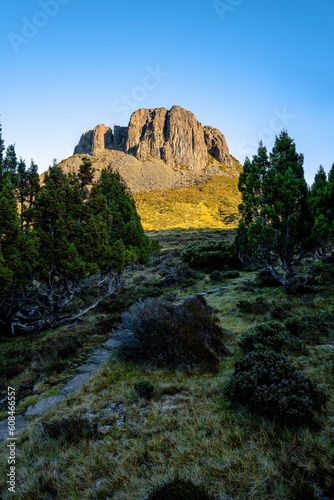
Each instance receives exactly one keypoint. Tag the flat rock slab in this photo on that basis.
(99, 356)
(75, 382)
(112, 344)
(87, 368)
(20, 424)
(43, 406)
(325, 346)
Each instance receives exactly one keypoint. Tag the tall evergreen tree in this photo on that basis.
(274, 228)
(10, 162)
(10, 233)
(320, 209)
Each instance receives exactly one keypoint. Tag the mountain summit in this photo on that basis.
(174, 136)
(180, 172)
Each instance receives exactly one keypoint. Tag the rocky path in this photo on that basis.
(84, 372)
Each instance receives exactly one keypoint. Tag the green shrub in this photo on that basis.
(230, 274)
(164, 335)
(265, 279)
(280, 311)
(181, 274)
(155, 246)
(215, 276)
(179, 489)
(211, 255)
(311, 328)
(269, 385)
(144, 389)
(270, 335)
(257, 306)
(70, 429)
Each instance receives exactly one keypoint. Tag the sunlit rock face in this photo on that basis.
(174, 136)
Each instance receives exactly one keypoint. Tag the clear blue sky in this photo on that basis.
(248, 67)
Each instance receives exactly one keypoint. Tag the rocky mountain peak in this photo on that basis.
(174, 136)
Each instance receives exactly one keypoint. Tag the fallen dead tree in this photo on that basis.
(49, 304)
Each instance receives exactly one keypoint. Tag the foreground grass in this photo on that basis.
(188, 429)
(195, 436)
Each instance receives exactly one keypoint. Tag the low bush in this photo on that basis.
(164, 335)
(155, 246)
(257, 306)
(269, 385)
(230, 274)
(179, 489)
(270, 335)
(265, 279)
(144, 389)
(311, 328)
(181, 275)
(280, 311)
(211, 255)
(70, 429)
(215, 276)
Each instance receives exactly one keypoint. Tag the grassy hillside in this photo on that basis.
(124, 447)
(213, 204)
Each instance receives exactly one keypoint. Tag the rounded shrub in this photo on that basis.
(179, 489)
(215, 276)
(311, 328)
(211, 255)
(70, 429)
(144, 389)
(269, 385)
(161, 334)
(258, 306)
(270, 335)
(230, 274)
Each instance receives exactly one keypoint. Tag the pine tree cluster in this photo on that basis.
(282, 220)
(57, 234)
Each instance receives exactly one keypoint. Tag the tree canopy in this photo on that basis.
(67, 234)
(275, 225)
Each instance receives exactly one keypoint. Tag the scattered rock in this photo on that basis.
(112, 344)
(325, 346)
(143, 412)
(167, 407)
(104, 429)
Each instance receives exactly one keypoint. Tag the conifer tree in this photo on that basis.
(10, 162)
(126, 225)
(275, 227)
(320, 209)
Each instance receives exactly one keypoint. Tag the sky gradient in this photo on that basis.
(249, 68)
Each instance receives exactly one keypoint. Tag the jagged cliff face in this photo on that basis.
(173, 136)
(102, 138)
